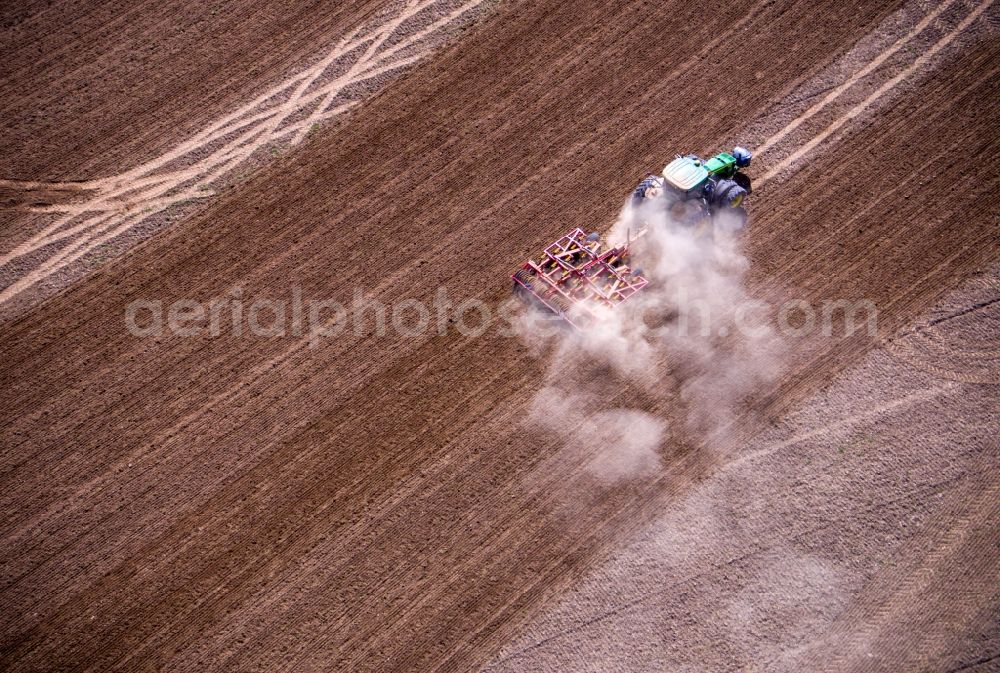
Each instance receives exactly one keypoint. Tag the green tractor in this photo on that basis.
(692, 190)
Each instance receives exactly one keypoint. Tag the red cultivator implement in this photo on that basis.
(574, 271)
(573, 277)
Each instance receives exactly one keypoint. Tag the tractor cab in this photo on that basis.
(685, 175)
(692, 189)
(577, 274)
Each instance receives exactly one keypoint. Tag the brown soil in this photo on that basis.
(89, 89)
(858, 533)
(239, 503)
(56, 232)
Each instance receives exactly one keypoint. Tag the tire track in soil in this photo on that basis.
(284, 113)
(940, 592)
(959, 344)
(874, 97)
(855, 78)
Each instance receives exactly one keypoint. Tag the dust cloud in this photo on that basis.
(689, 347)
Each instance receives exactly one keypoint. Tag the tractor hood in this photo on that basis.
(685, 173)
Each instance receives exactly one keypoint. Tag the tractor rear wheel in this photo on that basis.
(729, 194)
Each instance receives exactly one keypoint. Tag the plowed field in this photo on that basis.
(375, 501)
